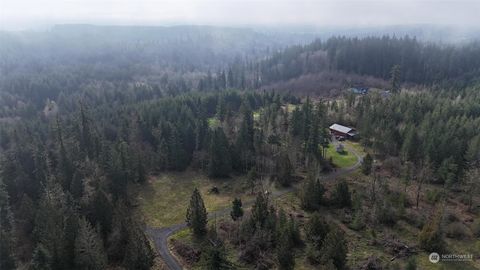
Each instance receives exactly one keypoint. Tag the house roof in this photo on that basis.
(340, 128)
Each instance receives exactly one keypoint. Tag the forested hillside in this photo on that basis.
(119, 61)
(106, 131)
(419, 62)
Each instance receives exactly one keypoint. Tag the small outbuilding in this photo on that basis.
(342, 132)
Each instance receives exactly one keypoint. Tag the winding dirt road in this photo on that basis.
(160, 235)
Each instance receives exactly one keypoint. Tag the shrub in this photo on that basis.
(430, 237)
(411, 264)
(456, 230)
(341, 195)
(358, 222)
(476, 228)
(392, 164)
(433, 196)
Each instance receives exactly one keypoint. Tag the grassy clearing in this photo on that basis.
(356, 146)
(213, 122)
(341, 160)
(164, 201)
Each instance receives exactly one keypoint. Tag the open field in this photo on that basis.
(213, 122)
(164, 200)
(341, 160)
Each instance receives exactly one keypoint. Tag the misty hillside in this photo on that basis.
(184, 48)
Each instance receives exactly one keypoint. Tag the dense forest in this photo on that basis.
(91, 116)
(422, 63)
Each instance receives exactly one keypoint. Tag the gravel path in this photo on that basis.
(160, 235)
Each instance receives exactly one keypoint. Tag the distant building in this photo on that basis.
(359, 90)
(342, 132)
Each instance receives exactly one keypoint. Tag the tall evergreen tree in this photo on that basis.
(89, 251)
(219, 155)
(197, 214)
(41, 258)
(215, 258)
(341, 195)
(367, 164)
(335, 248)
(7, 240)
(311, 194)
(237, 211)
(284, 169)
(395, 78)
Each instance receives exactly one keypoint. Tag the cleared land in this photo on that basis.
(341, 160)
(165, 199)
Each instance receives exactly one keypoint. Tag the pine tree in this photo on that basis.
(219, 155)
(334, 248)
(311, 194)
(285, 255)
(89, 251)
(284, 169)
(221, 108)
(431, 236)
(215, 258)
(341, 195)
(296, 122)
(252, 178)
(244, 143)
(7, 240)
(102, 212)
(41, 259)
(138, 252)
(237, 211)
(316, 229)
(395, 74)
(367, 164)
(411, 147)
(197, 215)
(260, 211)
(50, 223)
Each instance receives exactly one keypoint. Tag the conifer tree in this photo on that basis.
(237, 211)
(197, 215)
(252, 178)
(260, 210)
(431, 236)
(41, 258)
(7, 240)
(50, 223)
(284, 169)
(311, 194)
(244, 143)
(334, 248)
(219, 155)
(138, 253)
(367, 164)
(215, 258)
(395, 74)
(285, 255)
(341, 195)
(89, 251)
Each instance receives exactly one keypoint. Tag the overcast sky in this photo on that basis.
(23, 14)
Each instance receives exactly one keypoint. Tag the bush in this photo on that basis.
(476, 228)
(433, 196)
(341, 195)
(430, 237)
(392, 164)
(358, 222)
(411, 264)
(456, 230)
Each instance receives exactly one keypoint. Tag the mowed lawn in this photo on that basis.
(164, 200)
(341, 160)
